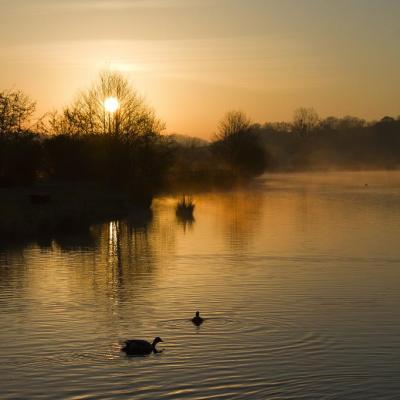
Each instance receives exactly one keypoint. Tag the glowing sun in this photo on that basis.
(111, 104)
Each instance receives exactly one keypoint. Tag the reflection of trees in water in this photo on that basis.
(120, 263)
(129, 256)
(11, 278)
(186, 222)
(125, 255)
(130, 253)
(77, 241)
(64, 241)
(241, 215)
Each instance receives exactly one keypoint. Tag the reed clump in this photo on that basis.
(185, 207)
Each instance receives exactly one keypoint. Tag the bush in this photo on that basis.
(20, 158)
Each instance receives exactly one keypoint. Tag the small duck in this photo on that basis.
(197, 320)
(140, 347)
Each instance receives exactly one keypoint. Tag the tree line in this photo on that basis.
(125, 149)
(243, 149)
(311, 142)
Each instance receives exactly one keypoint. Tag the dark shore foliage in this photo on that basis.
(21, 157)
(125, 154)
(236, 154)
(332, 143)
(128, 152)
(242, 150)
(123, 150)
(133, 164)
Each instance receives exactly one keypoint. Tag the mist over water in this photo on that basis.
(297, 277)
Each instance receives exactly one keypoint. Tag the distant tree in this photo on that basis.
(16, 108)
(387, 120)
(329, 123)
(282, 127)
(233, 124)
(305, 120)
(88, 114)
(350, 122)
(239, 145)
(186, 141)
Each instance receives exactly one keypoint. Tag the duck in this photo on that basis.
(197, 320)
(141, 347)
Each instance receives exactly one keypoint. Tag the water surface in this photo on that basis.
(298, 276)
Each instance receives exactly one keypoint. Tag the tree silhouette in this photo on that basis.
(239, 146)
(305, 120)
(233, 123)
(88, 115)
(15, 110)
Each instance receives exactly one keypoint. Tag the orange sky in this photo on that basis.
(195, 59)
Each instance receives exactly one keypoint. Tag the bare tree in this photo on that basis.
(238, 145)
(88, 114)
(15, 111)
(233, 123)
(350, 122)
(305, 120)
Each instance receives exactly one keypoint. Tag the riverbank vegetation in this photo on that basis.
(110, 141)
(185, 207)
(314, 143)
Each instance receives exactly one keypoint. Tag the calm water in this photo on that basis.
(298, 275)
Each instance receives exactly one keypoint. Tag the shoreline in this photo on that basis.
(51, 208)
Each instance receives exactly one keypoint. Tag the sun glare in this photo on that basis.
(111, 104)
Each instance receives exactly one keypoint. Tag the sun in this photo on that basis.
(111, 104)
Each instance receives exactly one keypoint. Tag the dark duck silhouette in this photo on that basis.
(197, 320)
(140, 347)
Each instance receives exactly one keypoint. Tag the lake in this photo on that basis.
(297, 275)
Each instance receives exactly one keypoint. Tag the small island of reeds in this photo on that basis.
(184, 208)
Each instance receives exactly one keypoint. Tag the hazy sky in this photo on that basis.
(194, 60)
